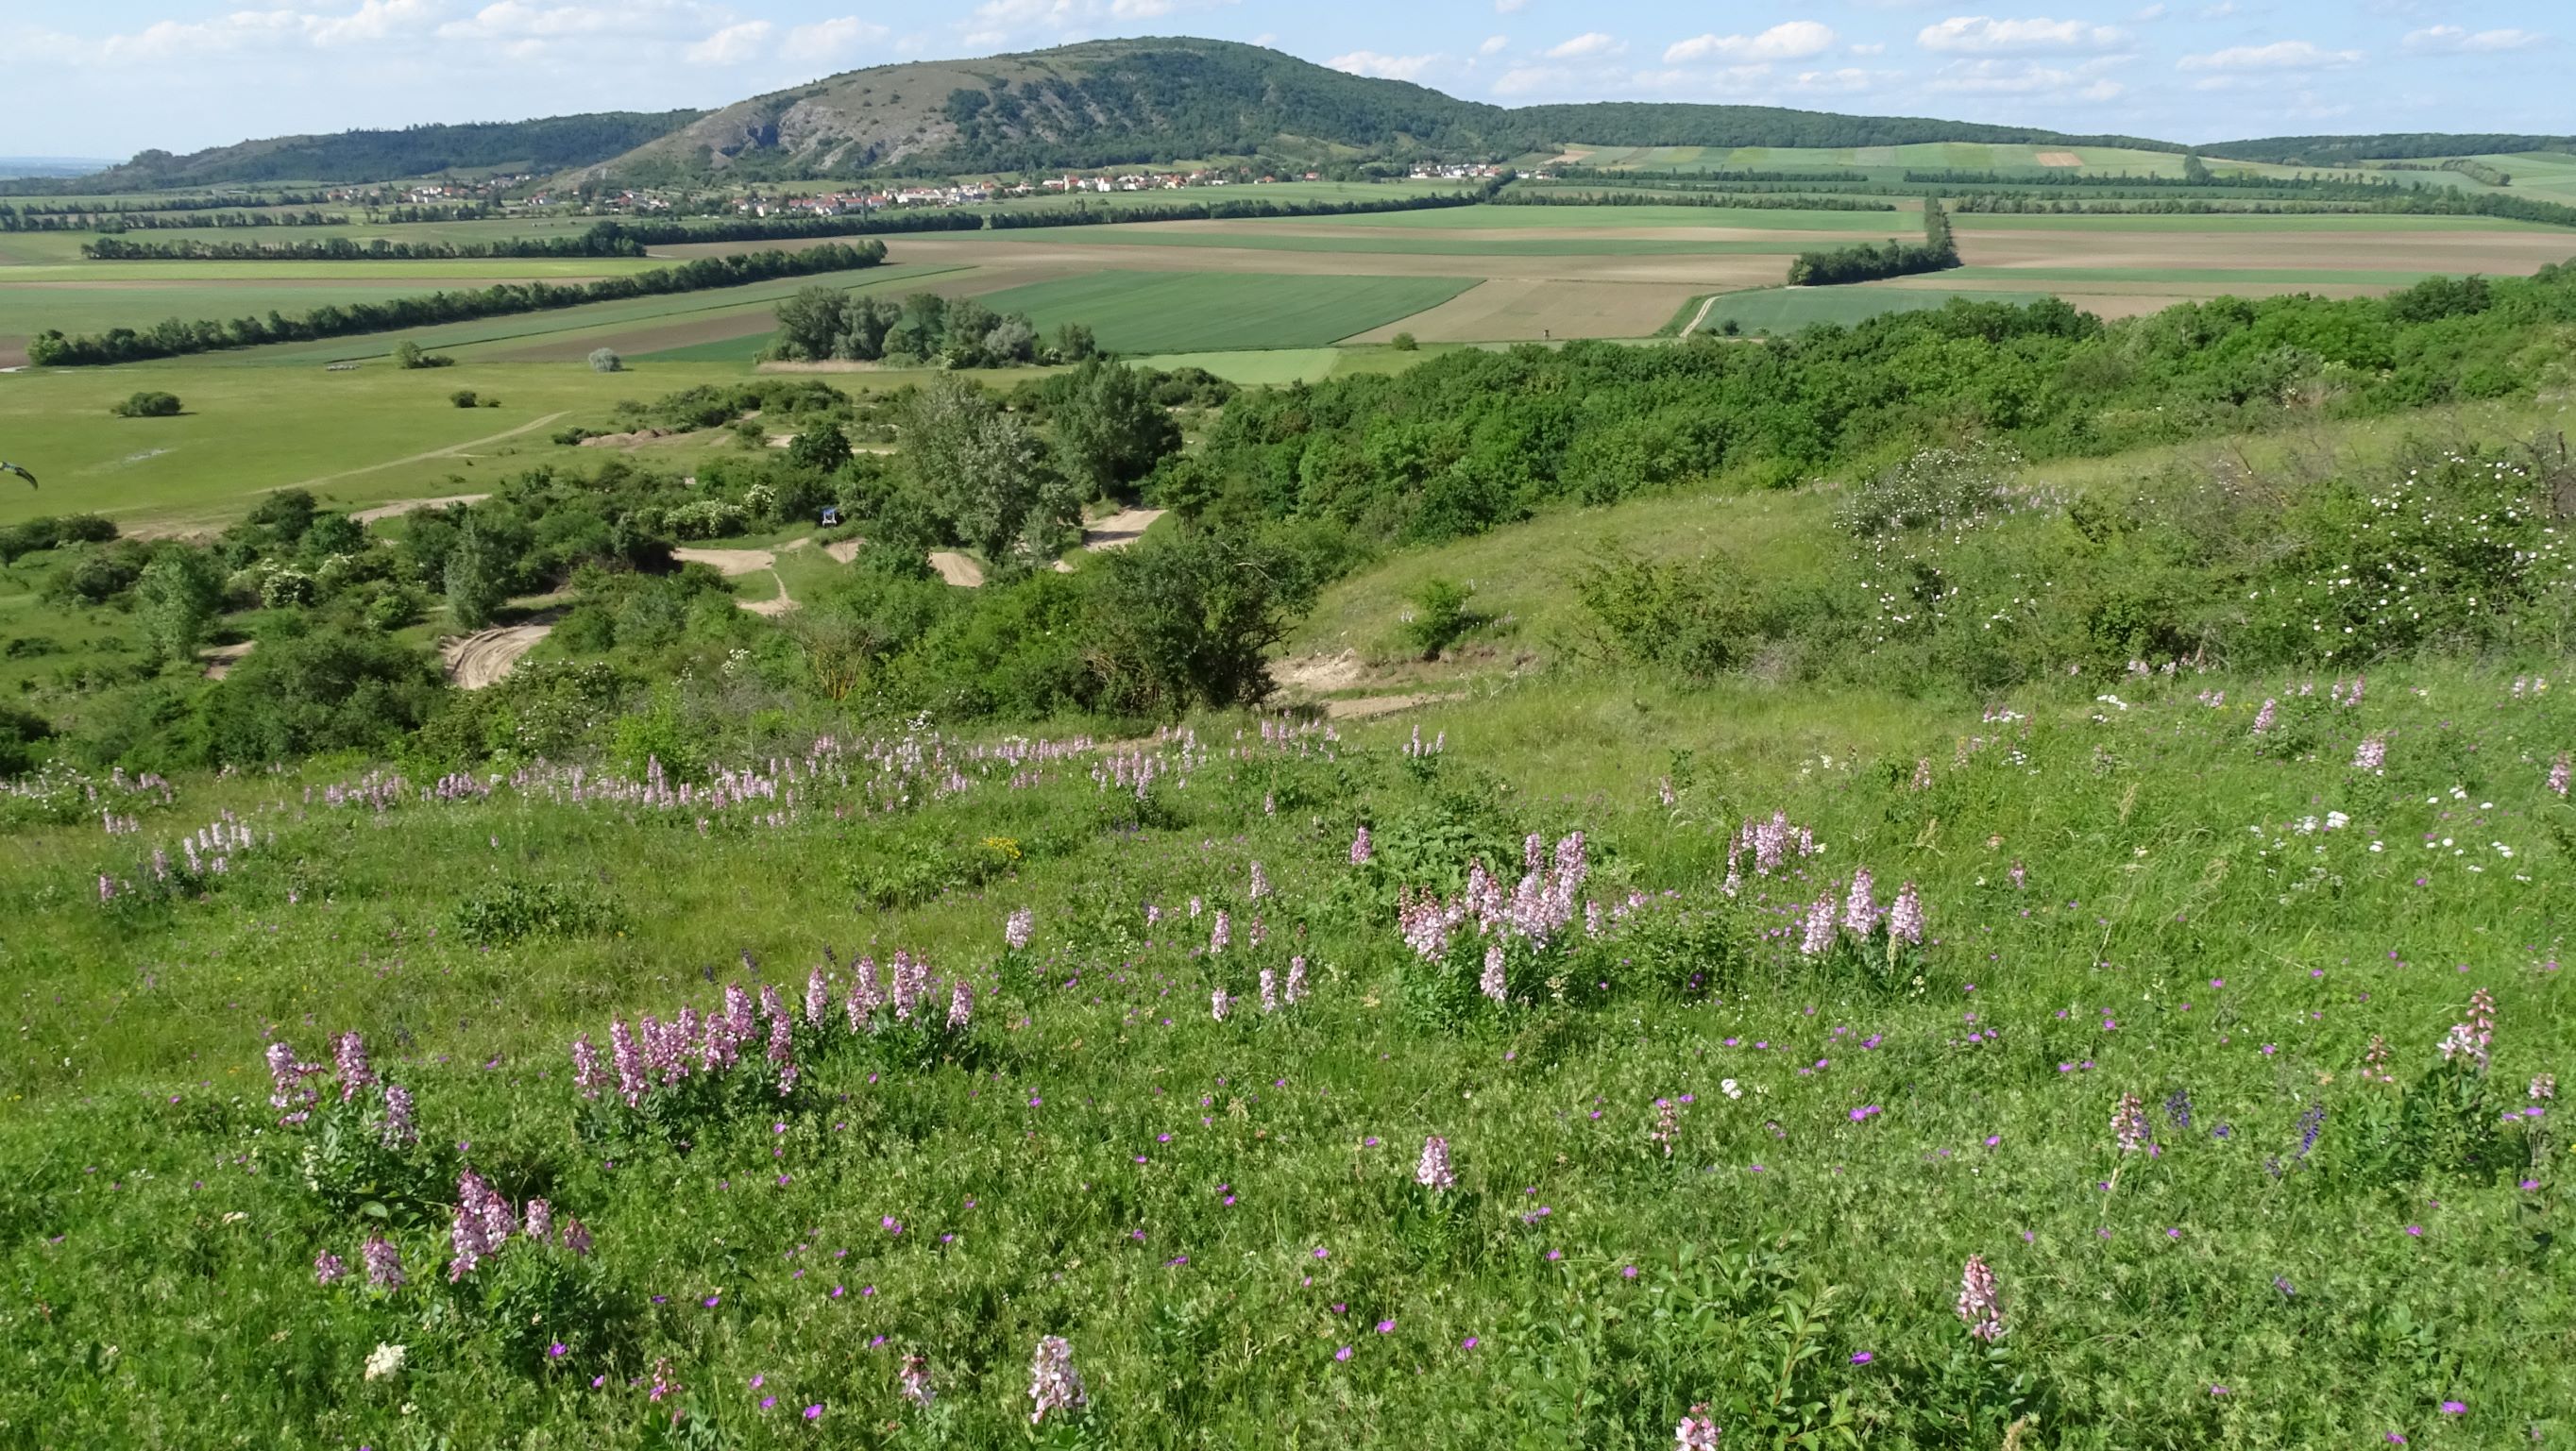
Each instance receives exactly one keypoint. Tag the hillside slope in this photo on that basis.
(1114, 102)
(554, 143)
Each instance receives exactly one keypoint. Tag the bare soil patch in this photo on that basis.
(485, 657)
(729, 562)
(957, 569)
(220, 659)
(1362, 707)
(845, 551)
(2059, 158)
(1120, 529)
(1318, 674)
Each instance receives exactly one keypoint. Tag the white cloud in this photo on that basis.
(2150, 14)
(1872, 48)
(1590, 45)
(2089, 81)
(2280, 55)
(1510, 7)
(2452, 40)
(1985, 35)
(1493, 45)
(732, 45)
(832, 41)
(1790, 40)
(996, 19)
(1384, 67)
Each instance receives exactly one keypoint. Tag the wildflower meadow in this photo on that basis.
(2169, 1062)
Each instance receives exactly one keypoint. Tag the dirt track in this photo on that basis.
(448, 452)
(729, 562)
(957, 569)
(220, 659)
(485, 657)
(400, 507)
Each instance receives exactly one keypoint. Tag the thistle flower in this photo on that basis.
(2263, 718)
(585, 1067)
(1361, 850)
(329, 1269)
(1698, 1430)
(1296, 980)
(1490, 981)
(1819, 935)
(1433, 1172)
(400, 1131)
(1981, 1301)
(349, 1056)
(1222, 936)
(1016, 931)
(914, 1379)
(1054, 1385)
(961, 1006)
(1269, 991)
(384, 1262)
(540, 1220)
(1860, 911)
(1219, 1004)
(1905, 920)
(2129, 1131)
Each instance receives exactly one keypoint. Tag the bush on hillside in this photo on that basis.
(148, 405)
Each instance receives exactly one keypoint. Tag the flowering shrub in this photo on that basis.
(362, 1144)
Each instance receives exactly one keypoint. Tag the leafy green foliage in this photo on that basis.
(517, 911)
(148, 405)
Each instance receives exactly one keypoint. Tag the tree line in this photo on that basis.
(605, 239)
(1769, 201)
(1871, 261)
(176, 336)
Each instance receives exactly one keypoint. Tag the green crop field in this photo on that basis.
(1175, 312)
(1260, 237)
(1547, 217)
(2220, 276)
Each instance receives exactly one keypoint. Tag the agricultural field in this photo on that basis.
(1166, 312)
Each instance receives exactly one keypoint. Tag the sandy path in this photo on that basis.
(845, 551)
(1120, 529)
(400, 507)
(220, 659)
(1702, 315)
(483, 658)
(1369, 705)
(451, 450)
(956, 568)
(730, 562)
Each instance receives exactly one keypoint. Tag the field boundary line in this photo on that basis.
(454, 448)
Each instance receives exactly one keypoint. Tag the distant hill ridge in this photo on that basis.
(553, 144)
(1115, 103)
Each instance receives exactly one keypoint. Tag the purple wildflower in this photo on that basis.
(329, 1269)
(383, 1261)
(1698, 1430)
(1433, 1172)
(1981, 1301)
(1054, 1385)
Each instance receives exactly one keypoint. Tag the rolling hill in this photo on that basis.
(1116, 102)
(555, 143)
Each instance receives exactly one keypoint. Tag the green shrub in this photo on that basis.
(518, 911)
(148, 405)
(408, 355)
(605, 360)
(1440, 616)
(465, 398)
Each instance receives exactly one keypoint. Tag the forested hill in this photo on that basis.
(1116, 102)
(2343, 150)
(556, 143)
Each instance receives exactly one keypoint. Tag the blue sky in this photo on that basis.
(109, 77)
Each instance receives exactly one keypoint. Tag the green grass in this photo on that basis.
(251, 430)
(2251, 222)
(1179, 312)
